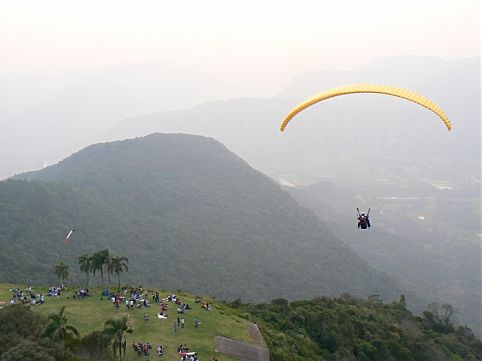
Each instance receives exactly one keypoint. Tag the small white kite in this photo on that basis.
(66, 240)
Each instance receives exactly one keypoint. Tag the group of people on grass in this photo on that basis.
(55, 291)
(27, 296)
(81, 293)
(142, 348)
(133, 298)
(185, 354)
(206, 306)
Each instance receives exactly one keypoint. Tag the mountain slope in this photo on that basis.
(188, 213)
(424, 237)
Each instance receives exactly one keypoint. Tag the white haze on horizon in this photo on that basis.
(70, 70)
(255, 45)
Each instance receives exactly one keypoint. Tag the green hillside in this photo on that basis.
(89, 314)
(351, 329)
(326, 329)
(187, 213)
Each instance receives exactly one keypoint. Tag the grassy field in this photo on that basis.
(90, 314)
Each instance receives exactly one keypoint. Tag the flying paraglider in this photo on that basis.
(363, 220)
(369, 88)
(66, 240)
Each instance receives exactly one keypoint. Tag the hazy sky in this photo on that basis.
(79, 67)
(261, 43)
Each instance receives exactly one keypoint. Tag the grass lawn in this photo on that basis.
(90, 314)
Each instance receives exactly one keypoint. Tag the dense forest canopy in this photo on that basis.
(187, 213)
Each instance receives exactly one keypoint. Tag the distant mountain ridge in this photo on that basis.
(188, 213)
(65, 118)
(341, 129)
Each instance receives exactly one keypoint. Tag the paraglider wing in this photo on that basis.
(66, 240)
(369, 88)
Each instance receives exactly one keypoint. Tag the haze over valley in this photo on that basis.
(295, 181)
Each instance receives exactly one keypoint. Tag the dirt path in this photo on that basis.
(243, 350)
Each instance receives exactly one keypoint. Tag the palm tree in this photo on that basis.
(116, 327)
(119, 264)
(93, 264)
(103, 262)
(85, 265)
(62, 271)
(58, 329)
(109, 268)
(98, 260)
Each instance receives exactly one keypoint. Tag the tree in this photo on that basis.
(62, 271)
(98, 261)
(85, 266)
(117, 327)
(33, 349)
(440, 317)
(109, 268)
(375, 299)
(95, 345)
(27, 350)
(447, 317)
(58, 328)
(118, 265)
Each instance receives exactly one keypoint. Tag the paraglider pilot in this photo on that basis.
(363, 220)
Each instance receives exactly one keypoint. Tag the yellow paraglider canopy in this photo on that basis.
(369, 88)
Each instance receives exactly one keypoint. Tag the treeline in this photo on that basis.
(171, 200)
(351, 329)
(27, 335)
(101, 261)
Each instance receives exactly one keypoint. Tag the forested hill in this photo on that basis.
(187, 213)
(351, 329)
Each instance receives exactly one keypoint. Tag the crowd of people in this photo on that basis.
(55, 291)
(142, 348)
(132, 298)
(27, 296)
(81, 293)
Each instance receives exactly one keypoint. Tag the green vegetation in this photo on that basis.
(351, 329)
(85, 266)
(103, 261)
(116, 328)
(93, 317)
(437, 258)
(117, 265)
(325, 329)
(187, 213)
(62, 271)
(57, 329)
